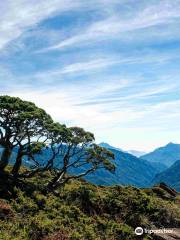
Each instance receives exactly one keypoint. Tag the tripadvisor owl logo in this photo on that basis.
(139, 231)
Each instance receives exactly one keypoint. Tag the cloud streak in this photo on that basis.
(21, 15)
(165, 12)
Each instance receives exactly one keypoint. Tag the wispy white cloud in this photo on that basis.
(95, 119)
(163, 12)
(89, 66)
(21, 15)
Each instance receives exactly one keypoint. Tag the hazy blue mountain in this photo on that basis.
(133, 152)
(170, 176)
(108, 146)
(159, 166)
(167, 155)
(130, 170)
(136, 153)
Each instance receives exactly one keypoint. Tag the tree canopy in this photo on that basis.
(22, 125)
(31, 131)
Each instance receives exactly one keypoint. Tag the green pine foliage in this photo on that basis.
(81, 211)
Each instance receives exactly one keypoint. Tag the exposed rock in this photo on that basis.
(175, 235)
(168, 189)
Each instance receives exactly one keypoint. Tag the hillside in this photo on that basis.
(167, 155)
(158, 166)
(170, 176)
(82, 211)
(130, 170)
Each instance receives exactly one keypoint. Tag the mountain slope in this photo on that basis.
(170, 176)
(167, 155)
(158, 166)
(130, 170)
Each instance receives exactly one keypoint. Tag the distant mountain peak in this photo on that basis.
(167, 154)
(107, 145)
(132, 152)
(170, 144)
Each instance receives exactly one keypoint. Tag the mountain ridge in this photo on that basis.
(167, 154)
(170, 176)
(136, 153)
(130, 170)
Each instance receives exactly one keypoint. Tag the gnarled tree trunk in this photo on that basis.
(18, 163)
(6, 154)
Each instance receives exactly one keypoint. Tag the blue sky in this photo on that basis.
(110, 66)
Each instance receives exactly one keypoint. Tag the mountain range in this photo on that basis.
(131, 170)
(133, 152)
(164, 160)
(167, 155)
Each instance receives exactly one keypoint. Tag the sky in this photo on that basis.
(109, 66)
